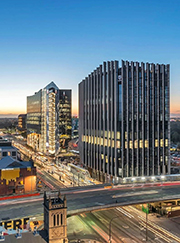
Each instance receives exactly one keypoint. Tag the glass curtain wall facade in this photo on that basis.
(33, 122)
(65, 123)
(124, 120)
(22, 122)
(50, 119)
(43, 119)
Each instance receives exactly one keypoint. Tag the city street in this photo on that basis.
(128, 225)
(90, 198)
(56, 172)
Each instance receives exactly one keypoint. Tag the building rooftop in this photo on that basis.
(2, 147)
(51, 85)
(5, 144)
(9, 162)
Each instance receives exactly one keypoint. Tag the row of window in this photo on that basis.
(7, 153)
(58, 219)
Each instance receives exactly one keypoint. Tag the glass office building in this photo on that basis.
(22, 122)
(43, 119)
(124, 120)
(65, 124)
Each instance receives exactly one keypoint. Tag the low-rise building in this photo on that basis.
(16, 176)
(6, 149)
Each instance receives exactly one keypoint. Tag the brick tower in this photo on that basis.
(55, 218)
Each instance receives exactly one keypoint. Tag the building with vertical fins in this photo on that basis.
(124, 120)
(44, 119)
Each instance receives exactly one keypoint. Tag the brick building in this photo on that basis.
(16, 176)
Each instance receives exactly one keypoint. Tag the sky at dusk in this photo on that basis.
(63, 41)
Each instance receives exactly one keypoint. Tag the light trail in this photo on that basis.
(130, 194)
(155, 226)
(20, 201)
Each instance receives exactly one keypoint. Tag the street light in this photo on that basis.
(110, 224)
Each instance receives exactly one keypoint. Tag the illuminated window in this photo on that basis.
(118, 144)
(136, 144)
(125, 135)
(141, 143)
(146, 144)
(105, 134)
(125, 145)
(130, 144)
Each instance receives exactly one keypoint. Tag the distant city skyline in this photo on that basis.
(41, 41)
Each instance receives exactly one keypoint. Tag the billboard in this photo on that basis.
(25, 224)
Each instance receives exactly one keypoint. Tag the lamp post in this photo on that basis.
(110, 225)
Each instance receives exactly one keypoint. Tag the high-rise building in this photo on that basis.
(124, 120)
(43, 119)
(65, 123)
(22, 122)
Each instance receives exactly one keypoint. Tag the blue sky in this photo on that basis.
(63, 41)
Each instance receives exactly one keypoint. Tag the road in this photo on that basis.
(44, 163)
(91, 198)
(54, 184)
(128, 225)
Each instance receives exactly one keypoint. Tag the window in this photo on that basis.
(4, 154)
(58, 219)
(13, 153)
(61, 219)
(54, 220)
